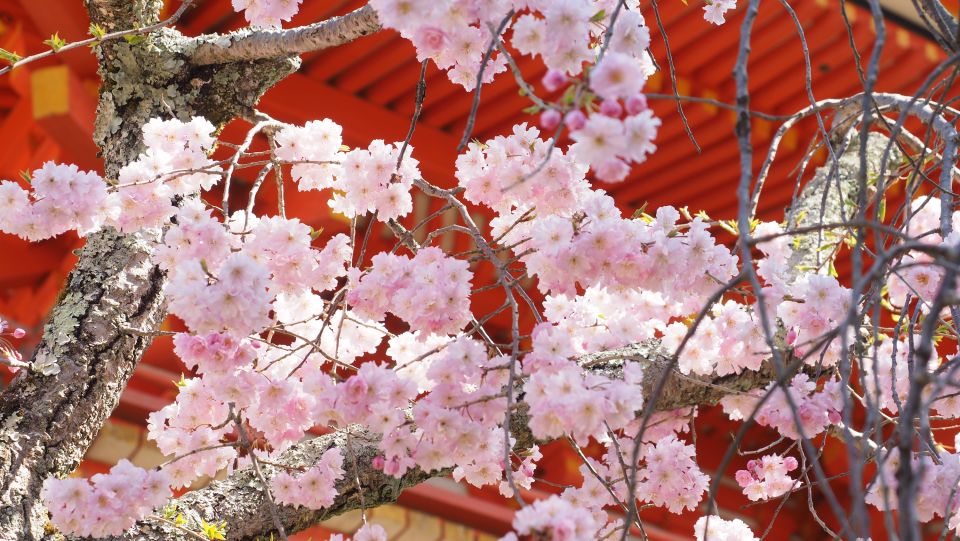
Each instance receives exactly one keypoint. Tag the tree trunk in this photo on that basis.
(47, 422)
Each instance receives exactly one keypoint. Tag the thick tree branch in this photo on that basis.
(241, 502)
(48, 421)
(256, 44)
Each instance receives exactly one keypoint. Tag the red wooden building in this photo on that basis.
(47, 111)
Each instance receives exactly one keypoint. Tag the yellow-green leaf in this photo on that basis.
(55, 42)
(97, 31)
(9, 56)
(213, 531)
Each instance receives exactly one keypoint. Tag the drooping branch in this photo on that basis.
(256, 44)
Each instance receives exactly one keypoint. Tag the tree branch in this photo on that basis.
(241, 502)
(256, 44)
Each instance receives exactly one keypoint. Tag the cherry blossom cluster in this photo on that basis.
(181, 428)
(315, 488)
(815, 409)
(608, 143)
(600, 319)
(334, 333)
(453, 33)
(230, 297)
(814, 306)
(63, 198)
(108, 503)
(175, 163)
(728, 342)
(937, 482)
(372, 182)
(916, 275)
(596, 246)
(522, 476)
(670, 477)
(430, 291)
(767, 477)
(558, 518)
(284, 247)
(267, 13)
(458, 423)
(226, 279)
(214, 353)
(315, 150)
(714, 528)
(363, 180)
(511, 172)
(565, 399)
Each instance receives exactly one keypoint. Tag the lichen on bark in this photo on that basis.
(94, 337)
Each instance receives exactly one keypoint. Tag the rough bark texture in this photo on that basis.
(831, 194)
(252, 44)
(48, 421)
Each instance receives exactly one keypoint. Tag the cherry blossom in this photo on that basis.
(108, 503)
(767, 477)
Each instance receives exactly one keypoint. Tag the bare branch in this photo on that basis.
(257, 44)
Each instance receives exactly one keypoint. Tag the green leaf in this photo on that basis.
(181, 383)
(170, 510)
(25, 175)
(640, 211)
(97, 31)
(882, 212)
(55, 42)
(9, 56)
(134, 39)
(532, 110)
(314, 233)
(598, 16)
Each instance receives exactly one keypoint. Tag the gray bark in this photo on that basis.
(254, 44)
(47, 422)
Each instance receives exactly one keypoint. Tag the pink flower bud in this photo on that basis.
(636, 104)
(377, 463)
(550, 119)
(19, 333)
(611, 108)
(553, 80)
(575, 120)
(790, 463)
(791, 336)
(743, 478)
